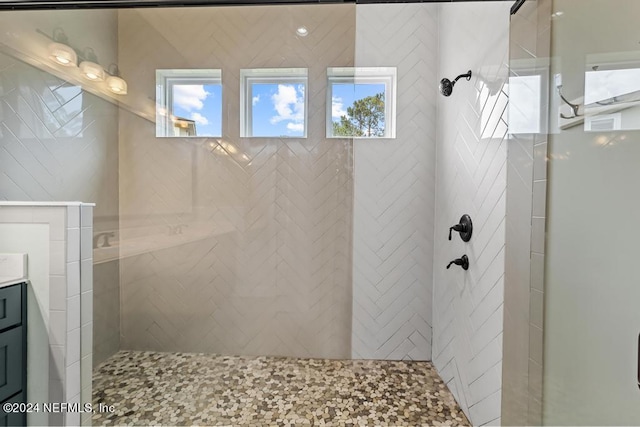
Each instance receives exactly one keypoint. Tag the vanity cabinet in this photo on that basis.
(13, 351)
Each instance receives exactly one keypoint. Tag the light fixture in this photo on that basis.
(90, 68)
(63, 53)
(60, 51)
(115, 83)
(302, 31)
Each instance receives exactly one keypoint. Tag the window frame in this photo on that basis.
(276, 76)
(166, 79)
(364, 75)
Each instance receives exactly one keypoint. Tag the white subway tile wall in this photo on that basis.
(394, 190)
(471, 179)
(60, 143)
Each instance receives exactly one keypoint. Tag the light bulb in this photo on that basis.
(92, 71)
(302, 31)
(117, 85)
(63, 54)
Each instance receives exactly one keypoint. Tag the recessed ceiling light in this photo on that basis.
(302, 31)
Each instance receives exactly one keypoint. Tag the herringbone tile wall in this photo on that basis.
(471, 179)
(394, 187)
(243, 245)
(60, 143)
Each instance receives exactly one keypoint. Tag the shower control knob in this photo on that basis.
(462, 262)
(465, 228)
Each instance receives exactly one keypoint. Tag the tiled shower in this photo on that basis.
(311, 247)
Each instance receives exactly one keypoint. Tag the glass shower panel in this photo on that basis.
(232, 244)
(205, 240)
(59, 142)
(591, 318)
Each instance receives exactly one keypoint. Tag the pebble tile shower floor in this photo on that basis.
(148, 388)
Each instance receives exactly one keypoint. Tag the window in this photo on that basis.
(361, 102)
(273, 103)
(188, 103)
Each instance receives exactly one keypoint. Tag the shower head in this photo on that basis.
(446, 85)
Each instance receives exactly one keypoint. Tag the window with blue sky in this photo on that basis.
(189, 103)
(361, 102)
(274, 103)
(200, 104)
(348, 100)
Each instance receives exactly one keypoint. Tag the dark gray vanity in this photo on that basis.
(13, 351)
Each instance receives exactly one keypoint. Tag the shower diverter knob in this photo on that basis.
(462, 262)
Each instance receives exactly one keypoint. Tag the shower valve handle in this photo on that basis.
(464, 227)
(462, 262)
(458, 227)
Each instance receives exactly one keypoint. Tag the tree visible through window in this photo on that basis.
(365, 116)
(362, 102)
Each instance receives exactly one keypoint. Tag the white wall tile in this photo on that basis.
(537, 272)
(73, 217)
(57, 293)
(16, 214)
(72, 418)
(58, 327)
(538, 235)
(85, 373)
(57, 258)
(86, 301)
(471, 179)
(72, 381)
(55, 216)
(394, 189)
(57, 363)
(73, 244)
(73, 279)
(86, 339)
(86, 275)
(73, 313)
(86, 243)
(86, 219)
(73, 347)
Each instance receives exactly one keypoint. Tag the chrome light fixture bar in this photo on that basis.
(61, 52)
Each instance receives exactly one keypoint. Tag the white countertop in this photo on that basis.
(8, 281)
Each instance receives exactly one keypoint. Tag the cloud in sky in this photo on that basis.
(255, 100)
(295, 127)
(337, 108)
(288, 102)
(190, 97)
(199, 119)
